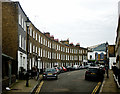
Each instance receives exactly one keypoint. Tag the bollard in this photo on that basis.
(27, 79)
(107, 72)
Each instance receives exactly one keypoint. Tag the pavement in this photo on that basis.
(109, 85)
(20, 86)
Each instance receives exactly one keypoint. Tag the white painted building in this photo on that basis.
(91, 55)
(22, 60)
(22, 49)
(111, 61)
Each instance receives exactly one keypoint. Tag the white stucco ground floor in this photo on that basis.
(111, 61)
(22, 61)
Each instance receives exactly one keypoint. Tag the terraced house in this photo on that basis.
(13, 40)
(26, 47)
(47, 52)
(117, 42)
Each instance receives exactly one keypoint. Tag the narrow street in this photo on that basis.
(73, 81)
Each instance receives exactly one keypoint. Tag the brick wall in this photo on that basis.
(9, 29)
(111, 50)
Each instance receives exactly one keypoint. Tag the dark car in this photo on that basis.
(50, 73)
(69, 68)
(102, 67)
(94, 73)
(60, 69)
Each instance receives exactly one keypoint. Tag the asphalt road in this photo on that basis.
(73, 81)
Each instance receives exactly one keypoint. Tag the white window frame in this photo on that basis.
(59, 56)
(25, 26)
(30, 47)
(36, 49)
(39, 38)
(61, 49)
(68, 57)
(33, 48)
(36, 36)
(68, 50)
(41, 52)
(22, 22)
(46, 43)
(20, 19)
(30, 31)
(20, 44)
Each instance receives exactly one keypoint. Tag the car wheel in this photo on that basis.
(56, 78)
(86, 78)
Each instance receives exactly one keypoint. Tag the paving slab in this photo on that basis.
(20, 86)
(109, 85)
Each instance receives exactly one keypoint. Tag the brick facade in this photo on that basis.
(43, 50)
(117, 42)
(9, 29)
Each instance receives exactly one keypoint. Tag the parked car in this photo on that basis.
(69, 68)
(94, 73)
(75, 67)
(81, 67)
(58, 71)
(50, 73)
(64, 69)
(87, 66)
(102, 67)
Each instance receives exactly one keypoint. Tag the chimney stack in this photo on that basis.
(47, 34)
(78, 45)
(56, 40)
(52, 37)
(71, 44)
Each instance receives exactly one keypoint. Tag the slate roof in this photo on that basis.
(100, 47)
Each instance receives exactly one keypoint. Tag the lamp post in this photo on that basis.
(27, 75)
(107, 60)
(27, 25)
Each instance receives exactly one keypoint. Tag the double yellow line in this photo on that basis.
(96, 88)
(39, 88)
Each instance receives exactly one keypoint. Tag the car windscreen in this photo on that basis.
(50, 70)
(93, 69)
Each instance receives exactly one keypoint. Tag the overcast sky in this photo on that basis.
(88, 22)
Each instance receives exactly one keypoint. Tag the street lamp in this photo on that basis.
(27, 75)
(27, 25)
(107, 60)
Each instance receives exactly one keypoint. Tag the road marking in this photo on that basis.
(39, 88)
(102, 86)
(96, 88)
